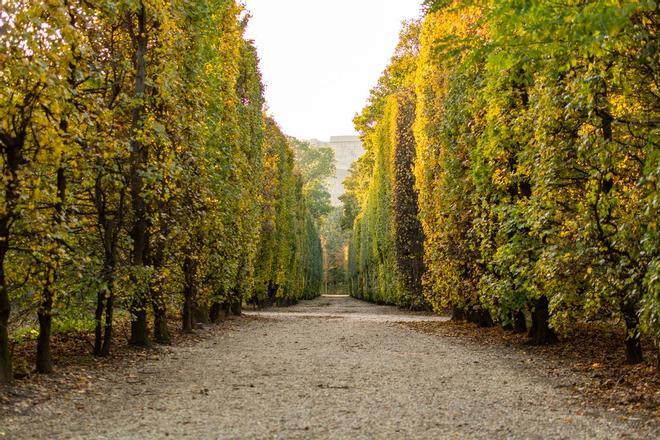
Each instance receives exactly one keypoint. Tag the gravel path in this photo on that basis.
(333, 367)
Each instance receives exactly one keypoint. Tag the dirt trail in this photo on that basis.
(333, 367)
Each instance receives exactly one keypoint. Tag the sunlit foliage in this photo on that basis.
(536, 128)
(385, 255)
(137, 164)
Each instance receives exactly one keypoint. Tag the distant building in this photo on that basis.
(347, 150)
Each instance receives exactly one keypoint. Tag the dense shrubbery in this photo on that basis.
(140, 172)
(385, 257)
(536, 166)
(288, 264)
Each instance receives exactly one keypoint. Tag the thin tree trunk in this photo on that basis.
(188, 295)
(98, 319)
(105, 297)
(633, 341)
(216, 315)
(161, 331)
(236, 303)
(6, 375)
(186, 316)
(541, 333)
(139, 329)
(111, 230)
(45, 312)
(519, 322)
(457, 314)
(13, 148)
(138, 161)
(483, 318)
(105, 303)
(629, 308)
(44, 361)
(109, 312)
(200, 314)
(237, 308)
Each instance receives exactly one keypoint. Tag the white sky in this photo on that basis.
(320, 58)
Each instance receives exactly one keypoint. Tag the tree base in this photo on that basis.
(519, 322)
(139, 331)
(44, 364)
(541, 333)
(634, 353)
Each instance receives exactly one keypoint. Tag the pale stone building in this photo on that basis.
(347, 150)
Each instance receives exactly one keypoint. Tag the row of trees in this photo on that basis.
(386, 252)
(536, 168)
(316, 164)
(290, 259)
(139, 174)
(335, 241)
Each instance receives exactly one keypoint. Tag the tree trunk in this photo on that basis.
(634, 353)
(633, 341)
(45, 312)
(457, 314)
(484, 318)
(272, 291)
(138, 162)
(161, 331)
(214, 313)
(186, 315)
(200, 314)
(480, 316)
(98, 319)
(110, 229)
(105, 299)
(44, 361)
(236, 306)
(217, 313)
(519, 322)
(161, 334)
(107, 337)
(6, 375)
(187, 325)
(139, 328)
(13, 149)
(541, 333)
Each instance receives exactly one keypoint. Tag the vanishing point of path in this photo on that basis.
(333, 367)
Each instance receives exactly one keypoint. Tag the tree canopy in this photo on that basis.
(535, 167)
(141, 177)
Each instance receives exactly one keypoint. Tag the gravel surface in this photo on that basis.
(333, 367)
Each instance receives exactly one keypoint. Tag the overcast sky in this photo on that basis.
(320, 58)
